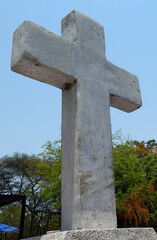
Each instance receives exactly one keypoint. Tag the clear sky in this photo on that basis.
(30, 111)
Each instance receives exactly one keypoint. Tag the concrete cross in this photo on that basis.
(76, 63)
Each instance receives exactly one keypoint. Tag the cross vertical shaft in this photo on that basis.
(88, 193)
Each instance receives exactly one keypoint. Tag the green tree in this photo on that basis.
(135, 165)
(50, 170)
(19, 176)
(49, 167)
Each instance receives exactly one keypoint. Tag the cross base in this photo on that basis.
(106, 234)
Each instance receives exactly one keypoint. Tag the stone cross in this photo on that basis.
(76, 63)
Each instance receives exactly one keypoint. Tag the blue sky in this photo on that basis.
(31, 111)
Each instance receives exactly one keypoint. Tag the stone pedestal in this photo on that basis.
(107, 234)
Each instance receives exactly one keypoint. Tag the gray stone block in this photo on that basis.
(76, 63)
(107, 234)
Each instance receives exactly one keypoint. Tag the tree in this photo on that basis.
(135, 165)
(19, 176)
(50, 170)
(49, 167)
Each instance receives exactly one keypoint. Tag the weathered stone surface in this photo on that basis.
(108, 234)
(42, 55)
(88, 200)
(77, 64)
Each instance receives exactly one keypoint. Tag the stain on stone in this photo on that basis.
(37, 64)
(84, 182)
(79, 142)
(95, 158)
(68, 86)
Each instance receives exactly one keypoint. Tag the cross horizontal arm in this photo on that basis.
(42, 55)
(123, 88)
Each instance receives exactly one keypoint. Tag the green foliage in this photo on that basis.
(50, 170)
(20, 175)
(135, 166)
